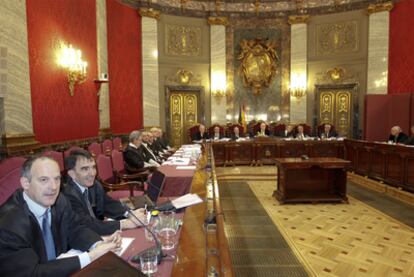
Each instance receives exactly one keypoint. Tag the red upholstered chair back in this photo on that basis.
(7, 165)
(279, 128)
(9, 183)
(230, 129)
(107, 146)
(211, 130)
(192, 131)
(117, 143)
(67, 152)
(117, 161)
(104, 167)
(95, 149)
(57, 156)
(250, 126)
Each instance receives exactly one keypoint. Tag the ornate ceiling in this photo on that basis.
(251, 8)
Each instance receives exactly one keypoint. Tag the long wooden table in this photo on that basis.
(312, 180)
(261, 151)
(392, 164)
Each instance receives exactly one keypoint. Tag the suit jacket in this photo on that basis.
(267, 133)
(331, 134)
(22, 250)
(401, 138)
(163, 141)
(410, 141)
(198, 136)
(102, 206)
(220, 136)
(134, 157)
(297, 135)
(233, 136)
(149, 154)
(285, 134)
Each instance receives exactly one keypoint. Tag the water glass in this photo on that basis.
(167, 230)
(149, 262)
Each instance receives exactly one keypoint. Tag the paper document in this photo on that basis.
(186, 200)
(124, 245)
(186, 167)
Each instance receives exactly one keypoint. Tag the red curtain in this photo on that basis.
(124, 67)
(57, 116)
(401, 54)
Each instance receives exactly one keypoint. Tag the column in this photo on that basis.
(218, 69)
(150, 70)
(102, 53)
(378, 36)
(298, 66)
(16, 111)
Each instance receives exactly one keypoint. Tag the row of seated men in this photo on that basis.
(399, 137)
(297, 132)
(43, 220)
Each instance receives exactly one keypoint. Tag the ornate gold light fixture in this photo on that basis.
(71, 60)
(298, 85)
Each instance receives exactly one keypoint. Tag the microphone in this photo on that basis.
(157, 248)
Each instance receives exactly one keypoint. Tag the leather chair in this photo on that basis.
(256, 127)
(107, 147)
(57, 156)
(192, 131)
(321, 128)
(230, 130)
(67, 152)
(9, 184)
(117, 143)
(211, 130)
(250, 127)
(306, 129)
(278, 129)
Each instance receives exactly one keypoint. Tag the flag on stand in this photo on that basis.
(242, 117)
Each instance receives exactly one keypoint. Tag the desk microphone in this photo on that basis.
(157, 248)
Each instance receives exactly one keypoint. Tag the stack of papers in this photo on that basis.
(186, 200)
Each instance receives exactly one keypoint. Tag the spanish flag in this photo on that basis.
(242, 117)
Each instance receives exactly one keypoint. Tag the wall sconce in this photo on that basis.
(298, 85)
(71, 60)
(218, 85)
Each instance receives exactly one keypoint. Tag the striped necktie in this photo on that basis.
(48, 237)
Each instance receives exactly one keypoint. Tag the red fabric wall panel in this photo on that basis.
(401, 54)
(57, 116)
(124, 67)
(399, 111)
(376, 111)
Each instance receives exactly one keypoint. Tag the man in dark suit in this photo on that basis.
(90, 201)
(263, 130)
(328, 132)
(134, 155)
(397, 135)
(410, 140)
(37, 224)
(235, 134)
(217, 135)
(201, 134)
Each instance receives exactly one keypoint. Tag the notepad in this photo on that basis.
(186, 167)
(186, 200)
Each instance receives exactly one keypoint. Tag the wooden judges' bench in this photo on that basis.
(261, 151)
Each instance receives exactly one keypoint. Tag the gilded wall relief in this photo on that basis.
(343, 110)
(335, 75)
(326, 107)
(258, 64)
(183, 40)
(337, 38)
(183, 77)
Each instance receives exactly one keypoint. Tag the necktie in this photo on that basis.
(88, 203)
(48, 237)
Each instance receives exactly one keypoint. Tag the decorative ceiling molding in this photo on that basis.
(257, 9)
(382, 7)
(149, 12)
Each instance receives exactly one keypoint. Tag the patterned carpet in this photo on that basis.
(352, 239)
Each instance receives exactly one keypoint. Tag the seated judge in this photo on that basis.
(201, 134)
(300, 135)
(146, 147)
(89, 199)
(328, 132)
(288, 132)
(217, 135)
(155, 148)
(410, 140)
(161, 140)
(37, 224)
(236, 133)
(134, 155)
(263, 131)
(397, 135)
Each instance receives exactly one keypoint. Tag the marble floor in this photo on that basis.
(361, 238)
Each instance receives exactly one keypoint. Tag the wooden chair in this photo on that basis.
(107, 178)
(192, 131)
(256, 127)
(117, 143)
(7, 165)
(9, 183)
(211, 130)
(107, 147)
(95, 149)
(230, 129)
(250, 127)
(57, 156)
(121, 173)
(306, 129)
(279, 128)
